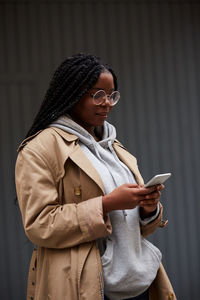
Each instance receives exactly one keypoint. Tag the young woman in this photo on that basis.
(82, 198)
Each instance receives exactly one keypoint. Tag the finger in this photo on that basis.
(149, 190)
(132, 185)
(160, 187)
(149, 202)
(147, 205)
(154, 195)
(137, 197)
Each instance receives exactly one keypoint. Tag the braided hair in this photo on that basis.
(72, 79)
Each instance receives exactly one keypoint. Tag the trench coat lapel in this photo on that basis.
(83, 162)
(129, 160)
(79, 158)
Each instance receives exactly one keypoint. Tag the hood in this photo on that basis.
(107, 132)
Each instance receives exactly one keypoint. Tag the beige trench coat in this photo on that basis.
(60, 198)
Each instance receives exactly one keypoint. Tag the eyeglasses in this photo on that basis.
(100, 97)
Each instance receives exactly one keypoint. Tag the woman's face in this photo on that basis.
(86, 113)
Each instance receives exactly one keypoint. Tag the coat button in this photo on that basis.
(171, 296)
(33, 283)
(77, 191)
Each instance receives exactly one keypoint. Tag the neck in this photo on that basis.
(94, 134)
(90, 129)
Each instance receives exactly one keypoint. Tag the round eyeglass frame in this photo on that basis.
(98, 99)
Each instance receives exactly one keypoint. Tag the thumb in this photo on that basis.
(132, 185)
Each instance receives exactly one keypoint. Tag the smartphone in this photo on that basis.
(158, 179)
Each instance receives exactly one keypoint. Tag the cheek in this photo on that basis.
(85, 106)
(87, 113)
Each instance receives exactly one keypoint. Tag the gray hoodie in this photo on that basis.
(129, 261)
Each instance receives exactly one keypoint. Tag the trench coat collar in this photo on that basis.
(79, 157)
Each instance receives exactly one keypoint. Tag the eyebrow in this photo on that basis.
(98, 88)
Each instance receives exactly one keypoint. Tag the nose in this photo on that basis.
(106, 101)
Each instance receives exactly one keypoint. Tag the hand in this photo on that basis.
(149, 204)
(128, 196)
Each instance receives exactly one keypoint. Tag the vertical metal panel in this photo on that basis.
(154, 48)
(16, 101)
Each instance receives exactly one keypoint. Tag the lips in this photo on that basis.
(103, 114)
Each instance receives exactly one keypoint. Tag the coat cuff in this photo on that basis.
(150, 219)
(93, 223)
(152, 226)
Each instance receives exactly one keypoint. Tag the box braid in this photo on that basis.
(72, 79)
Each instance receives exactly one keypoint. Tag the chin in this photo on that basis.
(100, 123)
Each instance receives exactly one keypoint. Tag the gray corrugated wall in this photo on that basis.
(154, 47)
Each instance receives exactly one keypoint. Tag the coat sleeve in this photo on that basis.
(47, 223)
(152, 226)
(131, 162)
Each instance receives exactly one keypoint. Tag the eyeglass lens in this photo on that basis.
(100, 96)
